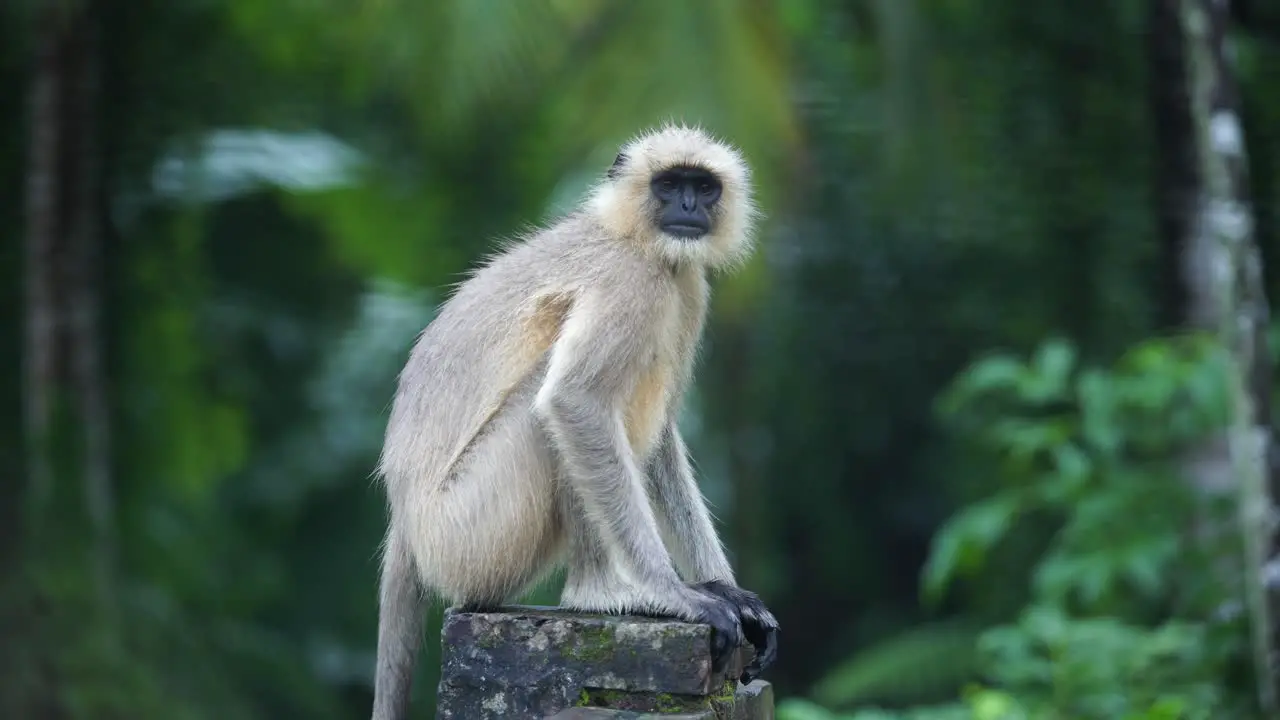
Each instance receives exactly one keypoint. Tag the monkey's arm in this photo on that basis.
(684, 519)
(682, 513)
(592, 366)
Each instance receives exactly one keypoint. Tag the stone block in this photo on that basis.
(538, 662)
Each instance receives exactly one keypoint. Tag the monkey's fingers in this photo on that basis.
(765, 641)
(721, 651)
(725, 641)
(726, 630)
(759, 626)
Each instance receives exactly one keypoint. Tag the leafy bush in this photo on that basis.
(1120, 620)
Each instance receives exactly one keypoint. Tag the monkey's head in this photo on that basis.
(683, 192)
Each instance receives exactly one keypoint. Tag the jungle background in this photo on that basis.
(985, 422)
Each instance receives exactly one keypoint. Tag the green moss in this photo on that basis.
(666, 702)
(489, 639)
(723, 701)
(727, 692)
(642, 701)
(594, 644)
(608, 698)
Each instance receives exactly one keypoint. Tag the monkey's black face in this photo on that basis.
(686, 197)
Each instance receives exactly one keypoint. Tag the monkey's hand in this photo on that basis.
(727, 628)
(759, 626)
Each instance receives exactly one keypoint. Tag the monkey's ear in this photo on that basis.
(616, 168)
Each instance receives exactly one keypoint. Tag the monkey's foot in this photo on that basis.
(759, 626)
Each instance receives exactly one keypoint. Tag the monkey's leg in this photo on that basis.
(690, 535)
(595, 583)
(491, 530)
(682, 514)
(598, 353)
(592, 582)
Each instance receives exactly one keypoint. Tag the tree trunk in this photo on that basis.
(43, 233)
(1216, 274)
(65, 400)
(86, 299)
(67, 513)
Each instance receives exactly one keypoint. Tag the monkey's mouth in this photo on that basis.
(684, 230)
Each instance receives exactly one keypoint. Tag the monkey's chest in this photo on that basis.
(659, 385)
(648, 408)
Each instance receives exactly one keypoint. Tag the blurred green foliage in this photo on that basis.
(1116, 625)
(291, 186)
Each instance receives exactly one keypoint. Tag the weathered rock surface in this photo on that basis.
(750, 702)
(596, 713)
(536, 662)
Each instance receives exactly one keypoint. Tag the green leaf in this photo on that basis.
(1025, 440)
(1050, 372)
(962, 543)
(1072, 470)
(924, 661)
(1097, 398)
(998, 372)
(994, 705)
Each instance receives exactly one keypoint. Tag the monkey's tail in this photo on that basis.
(400, 618)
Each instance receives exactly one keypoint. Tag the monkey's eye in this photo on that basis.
(667, 184)
(709, 190)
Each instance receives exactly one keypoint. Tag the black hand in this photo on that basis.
(727, 631)
(758, 625)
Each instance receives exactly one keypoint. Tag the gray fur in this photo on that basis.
(683, 516)
(399, 631)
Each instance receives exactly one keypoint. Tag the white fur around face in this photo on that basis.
(626, 206)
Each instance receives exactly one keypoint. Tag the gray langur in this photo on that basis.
(535, 419)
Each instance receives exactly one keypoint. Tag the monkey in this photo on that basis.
(533, 425)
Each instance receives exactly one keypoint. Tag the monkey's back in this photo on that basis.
(488, 338)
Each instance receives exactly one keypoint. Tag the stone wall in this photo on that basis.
(534, 662)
